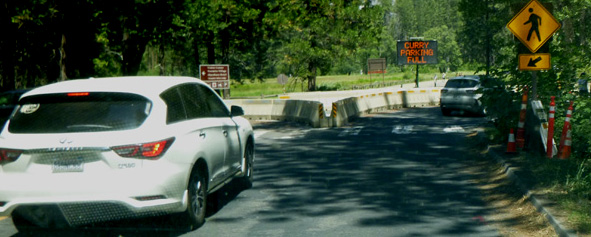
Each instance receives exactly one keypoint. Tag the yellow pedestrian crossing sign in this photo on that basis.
(533, 25)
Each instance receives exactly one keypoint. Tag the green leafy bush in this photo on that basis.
(330, 87)
(502, 106)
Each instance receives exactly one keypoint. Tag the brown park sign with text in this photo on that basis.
(217, 76)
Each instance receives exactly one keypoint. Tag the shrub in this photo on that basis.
(330, 87)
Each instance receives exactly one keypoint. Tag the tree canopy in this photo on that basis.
(50, 40)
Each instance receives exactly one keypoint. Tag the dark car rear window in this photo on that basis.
(79, 112)
(461, 83)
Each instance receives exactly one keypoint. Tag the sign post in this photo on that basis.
(417, 52)
(376, 65)
(533, 26)
(217, 76)
(282, 79)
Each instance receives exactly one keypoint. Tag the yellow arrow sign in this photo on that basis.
(534, 62)
(533, 25)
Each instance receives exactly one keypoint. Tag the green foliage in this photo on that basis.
(502, 105)
(579, 183)
(448, 50)
(581, 127)
(330, 86)
(314, 34)
(409, 75)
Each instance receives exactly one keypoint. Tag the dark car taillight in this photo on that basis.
(150, 150)
(9, 155)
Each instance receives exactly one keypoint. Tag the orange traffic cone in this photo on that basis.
(511, 146)
(566, 148)
(565, 141)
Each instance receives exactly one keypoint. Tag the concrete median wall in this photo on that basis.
(313, 112)
(303, 111)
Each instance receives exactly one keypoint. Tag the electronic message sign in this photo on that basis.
(417, 52)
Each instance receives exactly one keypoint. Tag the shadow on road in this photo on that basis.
(409, 178)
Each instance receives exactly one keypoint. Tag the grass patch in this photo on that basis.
(564, 182)
(579, 214)
(270, 86)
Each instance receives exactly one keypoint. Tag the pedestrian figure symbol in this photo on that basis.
(528, 22)
(535, 22)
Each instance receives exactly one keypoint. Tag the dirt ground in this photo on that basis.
(515, 215)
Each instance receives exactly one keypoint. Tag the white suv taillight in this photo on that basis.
(150, 150)
(9, 155)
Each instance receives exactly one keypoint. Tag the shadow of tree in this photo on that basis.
(412, 179)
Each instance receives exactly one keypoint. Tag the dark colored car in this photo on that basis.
(8, 100)
(462, 94)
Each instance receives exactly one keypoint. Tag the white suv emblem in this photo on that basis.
(65, 141)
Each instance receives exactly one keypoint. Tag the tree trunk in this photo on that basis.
(312, 77)
(161, 53)
(7, 49)
(210, 49)
(196, 54)
(225, 46)
(133, 50)
(62, 61)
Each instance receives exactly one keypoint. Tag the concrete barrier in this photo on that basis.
(302, 111)
(311, 112)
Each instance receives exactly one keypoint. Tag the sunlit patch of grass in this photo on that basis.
(565, 182)
(270, 86)
(579, 211)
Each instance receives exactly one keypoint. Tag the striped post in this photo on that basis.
(549, 144)
(520, 126)
(564, 149)
(334, 110)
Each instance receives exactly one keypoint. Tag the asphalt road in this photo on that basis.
(397, 173)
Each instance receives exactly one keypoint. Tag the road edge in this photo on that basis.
(510, 171)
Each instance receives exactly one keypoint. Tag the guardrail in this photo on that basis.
(315, 114)
(537, 128)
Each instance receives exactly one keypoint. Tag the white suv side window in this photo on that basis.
(194, 102)
(217, 107)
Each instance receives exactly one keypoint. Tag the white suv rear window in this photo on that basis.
(461, 83)
(79, 112)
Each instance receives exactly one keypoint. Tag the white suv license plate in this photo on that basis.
(65, 166)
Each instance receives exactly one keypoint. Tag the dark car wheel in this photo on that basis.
(38, 218)
(483, 112)
(197, 200)
(247, 179)
(22, 224)
(445, 112)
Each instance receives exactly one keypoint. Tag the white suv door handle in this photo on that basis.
(201, 134)
(225, 133)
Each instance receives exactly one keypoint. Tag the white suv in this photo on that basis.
(91, 150)
(462, 94)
